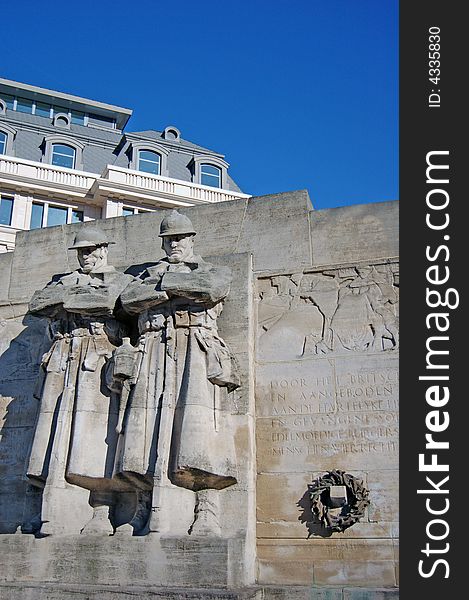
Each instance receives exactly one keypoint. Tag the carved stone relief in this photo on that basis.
(333, 311)
(133, 422)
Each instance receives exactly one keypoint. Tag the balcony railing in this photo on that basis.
(167, 186)
(29, 171)
(114, 181)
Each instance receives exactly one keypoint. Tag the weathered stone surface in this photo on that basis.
(329, 312)
(275, 231)
(327, 562)
(283, 513)
(319, 414)
(5, 275)
(124, 560)
(327, 398)
(86, 592)
(366, 594)
(311, 317)
(355, 233)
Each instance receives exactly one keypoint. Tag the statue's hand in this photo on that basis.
(47, 301)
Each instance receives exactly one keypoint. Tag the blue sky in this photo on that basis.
(296, 93)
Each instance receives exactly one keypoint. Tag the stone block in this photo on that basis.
(282, 573)
(334, 548)
(352, 233)
(384, 493)
(275, 229)
(298, 530)
(370, 573)
(6, 259)
(123, 560)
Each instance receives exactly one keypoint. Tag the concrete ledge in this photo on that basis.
(15, 591)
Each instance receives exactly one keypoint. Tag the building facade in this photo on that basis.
(65, 159)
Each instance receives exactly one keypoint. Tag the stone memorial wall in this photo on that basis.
(311, 321)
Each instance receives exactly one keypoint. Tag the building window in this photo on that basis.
(42, 109)
(101, 121)
(172, 133)
(149, 162)
(209, 170)
(56, 215)
(6, 210)
(44, 214)
(63, 156)
(210, 175)
(127, 211)
(24, 105)
(7, 135)
(63, 151)
(78, 118)
(37, 215)
(148, 157)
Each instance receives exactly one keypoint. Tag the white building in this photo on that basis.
(65, 159)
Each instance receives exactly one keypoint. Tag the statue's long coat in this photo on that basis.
(175, 416)
(75, 436)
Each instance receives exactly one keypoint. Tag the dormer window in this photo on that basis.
(148, 157)
(149, 162)
(63, 156)
(7, 135)
(209, 170)
(210, 175)
(62, 151)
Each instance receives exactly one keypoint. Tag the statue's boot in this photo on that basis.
(206, 514)
(100, 523)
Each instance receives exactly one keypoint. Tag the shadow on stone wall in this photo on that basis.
(22, 344)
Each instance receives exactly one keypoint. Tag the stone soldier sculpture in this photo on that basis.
(75, 436)
(175, 431)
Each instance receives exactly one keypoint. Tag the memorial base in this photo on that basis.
(18, 591)
(123, 561)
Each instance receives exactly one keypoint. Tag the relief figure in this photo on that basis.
(75, 439)
(175, 427)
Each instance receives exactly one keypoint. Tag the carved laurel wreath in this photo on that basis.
(351, 513)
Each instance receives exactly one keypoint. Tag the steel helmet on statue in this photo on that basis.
(176, 224)
(90, 237)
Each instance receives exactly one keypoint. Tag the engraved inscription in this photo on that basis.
(320, 412)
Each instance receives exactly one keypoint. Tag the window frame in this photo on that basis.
(46, 204)
(135, 210)
(214, 161)
(135, 147)
(139, 159)
(218, 177)
(64, 140)
(56, 153)
(12, 199)
(10, 134)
